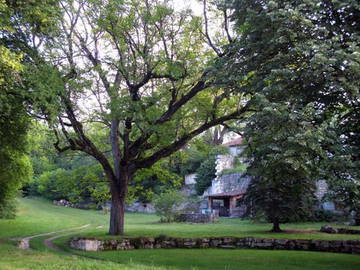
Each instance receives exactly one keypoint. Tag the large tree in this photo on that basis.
(18, 20)
(292, 56)
(140, 69)
(284, 155)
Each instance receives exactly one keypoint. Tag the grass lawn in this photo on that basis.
(215, 259)
(39, 216)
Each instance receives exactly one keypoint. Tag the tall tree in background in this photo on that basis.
(296, 56)
(284, 159)
(139, 69)
(18, 20)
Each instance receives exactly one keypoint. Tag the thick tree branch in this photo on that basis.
(178, 144)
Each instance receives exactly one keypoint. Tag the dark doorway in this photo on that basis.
(221, 205)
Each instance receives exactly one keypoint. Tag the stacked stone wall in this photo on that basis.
(340, 246)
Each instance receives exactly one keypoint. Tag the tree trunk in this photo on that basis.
(276, 226)
(117, 214)
(118, 190)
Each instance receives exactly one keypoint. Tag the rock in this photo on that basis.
(328, 229)
(227, 246)
(23, 244)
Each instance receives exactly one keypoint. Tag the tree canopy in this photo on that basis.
(139, 69)
(18, 21)
(300, 61)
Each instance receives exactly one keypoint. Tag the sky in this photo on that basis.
(193, 4)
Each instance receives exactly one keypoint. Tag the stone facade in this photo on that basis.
(228, 183)
(340, 246)
(223, 162)
(190, 179)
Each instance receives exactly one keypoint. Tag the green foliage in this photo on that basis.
(346, 193)
(205, 174)
(327, 216)
(7, 209)
(239, 167)
(18, 21)
(284, 150)
(15, 166)
(76, 185)
(299, 61)
(151, 181)
(166, 204)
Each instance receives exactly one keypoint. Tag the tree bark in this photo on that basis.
(117, 213)
(276, 226)
(118, 190)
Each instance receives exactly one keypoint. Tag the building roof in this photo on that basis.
(234, 142)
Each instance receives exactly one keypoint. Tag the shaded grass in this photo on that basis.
(215, 259)
(15, 259)
(39, 216)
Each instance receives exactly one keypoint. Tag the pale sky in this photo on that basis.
(193, 4)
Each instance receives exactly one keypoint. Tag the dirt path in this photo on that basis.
(24, 242)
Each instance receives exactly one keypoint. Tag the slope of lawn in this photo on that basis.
(39, 216)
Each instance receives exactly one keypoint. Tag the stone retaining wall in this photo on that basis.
(340, 246)
(329, 229)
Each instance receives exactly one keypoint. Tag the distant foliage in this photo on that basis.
(166, 204)
(150, 182)
(76, 185)
(239, 167)
(205, 174)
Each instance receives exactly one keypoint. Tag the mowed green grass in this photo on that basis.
(12, 258)
(39, 216)
(216, 259)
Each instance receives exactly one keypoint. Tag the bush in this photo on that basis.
(205, 174)
(167, 203)
(8, 209)
(321, 215)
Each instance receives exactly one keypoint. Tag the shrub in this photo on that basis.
(205, 174)
(167, 203)
(321, 215)
(8, 209)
